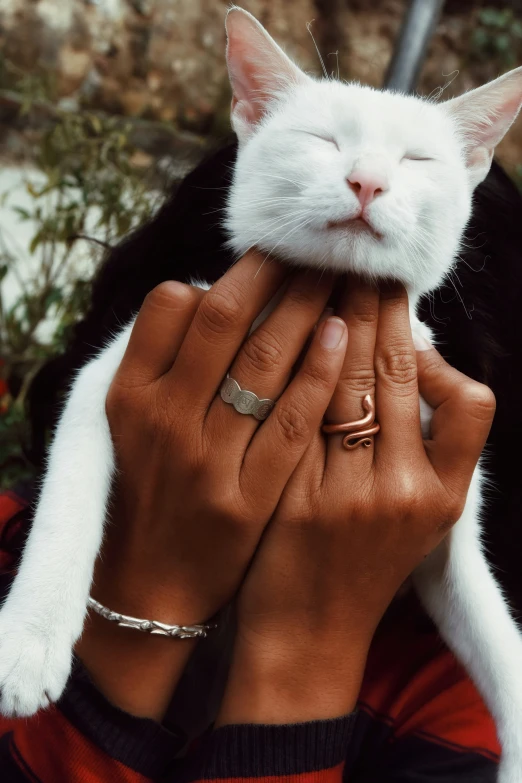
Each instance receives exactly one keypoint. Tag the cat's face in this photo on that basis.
(340, 176)
(346, 177)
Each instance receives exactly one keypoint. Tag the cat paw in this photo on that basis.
(33, 670)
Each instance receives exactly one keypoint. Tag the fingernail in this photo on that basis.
(332, 333)
(420, 343)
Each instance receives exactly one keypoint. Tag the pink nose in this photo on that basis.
(366, 185)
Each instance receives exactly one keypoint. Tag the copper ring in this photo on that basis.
(360, 432)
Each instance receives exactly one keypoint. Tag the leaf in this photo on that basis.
(55, 296)
(123, 223)
(32, 190)
(35, 241)
(503, 43)
(22, 213)
(95, 123)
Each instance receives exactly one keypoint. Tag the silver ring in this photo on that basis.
(245, 402)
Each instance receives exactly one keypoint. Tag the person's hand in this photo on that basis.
(351, 526)
(197, 482)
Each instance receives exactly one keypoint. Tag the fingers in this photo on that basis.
(265, 361)
(462, 418)
(397, 395)
(281, 441)
(160, 327)
(359, 309)
(220, 325)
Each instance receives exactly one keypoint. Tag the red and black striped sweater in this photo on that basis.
(419, 720)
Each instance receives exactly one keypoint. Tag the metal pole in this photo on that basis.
(411, 47)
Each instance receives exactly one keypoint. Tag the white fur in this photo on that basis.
(43, 614)
(288, 184)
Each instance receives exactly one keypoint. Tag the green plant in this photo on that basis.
(498, 36)
(88, 189)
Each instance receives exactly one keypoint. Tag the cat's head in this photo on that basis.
(340, 176)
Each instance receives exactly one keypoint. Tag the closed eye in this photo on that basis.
(416, 156)
(328, 139)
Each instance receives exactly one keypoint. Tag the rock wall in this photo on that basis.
(164, 59)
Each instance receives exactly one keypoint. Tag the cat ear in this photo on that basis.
(484, 116)
(258, 68)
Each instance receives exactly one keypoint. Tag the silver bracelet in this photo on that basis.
(152, 626)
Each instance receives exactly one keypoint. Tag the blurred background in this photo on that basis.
(105, 104)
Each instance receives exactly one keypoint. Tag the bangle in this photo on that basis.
(152, 626)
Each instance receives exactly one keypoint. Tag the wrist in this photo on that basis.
(137, 672)
(305, 680)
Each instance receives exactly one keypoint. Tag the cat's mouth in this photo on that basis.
(357, 225)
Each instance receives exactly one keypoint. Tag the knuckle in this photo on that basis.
(398, 365)
(450, 515)
(316, 373)
(454, 510)
(364, 312)
(479, 400)
(128, 407)
(118, 399)
(300, 296)
(443, 506)
(263, 350)
(432, 364)
(168, 294)
(221, 308)
(407, 496)
(360, 380)
(292, 424)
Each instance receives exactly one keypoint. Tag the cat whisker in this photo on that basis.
(431, 300)
(336, 54)
(309, 28)
(285, 179)
(459, 296)
(257, 203)
(287, 216)
(275, 200)
(289, 233)
(276, 228)
(486, 259)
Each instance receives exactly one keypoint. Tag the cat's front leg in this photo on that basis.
(43, 615)
(460, 593)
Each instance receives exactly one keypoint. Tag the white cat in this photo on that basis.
(331, 175)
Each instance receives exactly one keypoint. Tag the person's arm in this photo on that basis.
(419, 717)
(84, 737)
(186, 515)
(352, 525)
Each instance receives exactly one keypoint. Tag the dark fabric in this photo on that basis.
(12, 765)
(141, 744)
(267, 751)
(422, 760)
